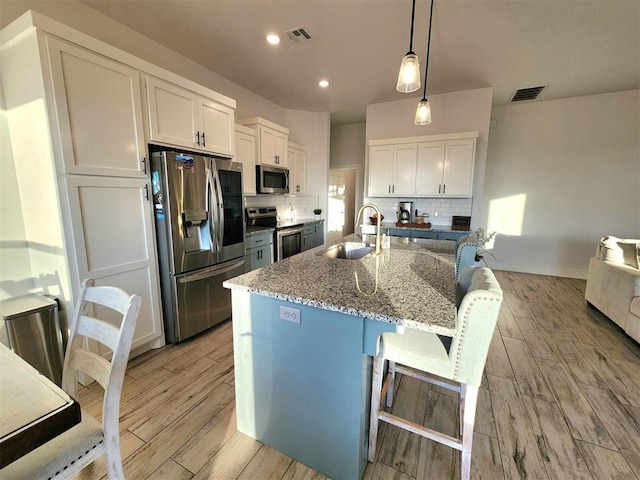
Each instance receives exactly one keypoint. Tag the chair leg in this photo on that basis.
(461, 407)
(376, 389)
(469, 403)
(392, 372)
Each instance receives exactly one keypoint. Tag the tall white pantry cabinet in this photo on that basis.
(77, 121)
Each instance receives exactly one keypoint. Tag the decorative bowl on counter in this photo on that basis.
(374, 220)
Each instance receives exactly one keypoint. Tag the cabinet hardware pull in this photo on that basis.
(204, 144)
(389, 188)
(439, 187)
(144, 165)
(393, 189)
(198, 138)
(146, 191)
(258, 241)
(444, 188)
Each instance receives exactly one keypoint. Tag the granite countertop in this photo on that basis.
(256, 230)
(411, 284)
(434, 228)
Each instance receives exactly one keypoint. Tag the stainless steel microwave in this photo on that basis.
(270, 179)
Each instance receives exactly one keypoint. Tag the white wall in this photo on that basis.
(312, 130)
(560, 175)
(15, 266)
(465, 111)
(91, 22)
(348, 149)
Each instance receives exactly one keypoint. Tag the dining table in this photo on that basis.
(33, 410)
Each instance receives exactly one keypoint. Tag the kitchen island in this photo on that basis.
(304, 331)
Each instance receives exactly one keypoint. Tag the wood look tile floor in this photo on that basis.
(560, 400)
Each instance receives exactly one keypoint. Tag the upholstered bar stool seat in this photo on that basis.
(422, 355)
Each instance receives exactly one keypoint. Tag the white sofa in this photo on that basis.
(613, 283)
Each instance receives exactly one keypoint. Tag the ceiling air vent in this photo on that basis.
(298, 35)
(529, 93)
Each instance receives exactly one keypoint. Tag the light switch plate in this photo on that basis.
(289, 314)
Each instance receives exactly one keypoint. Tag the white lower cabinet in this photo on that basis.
(112, 226)
(434, 166)
(297, 158)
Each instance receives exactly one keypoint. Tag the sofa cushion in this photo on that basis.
(630, 252)
(610, 251)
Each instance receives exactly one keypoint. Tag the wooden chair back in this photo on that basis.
(86, 325)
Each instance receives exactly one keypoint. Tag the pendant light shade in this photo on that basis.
(409, 76)
(423, 113)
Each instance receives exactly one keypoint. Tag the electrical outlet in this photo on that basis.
(289, 314)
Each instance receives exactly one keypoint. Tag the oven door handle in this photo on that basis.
(289, 231)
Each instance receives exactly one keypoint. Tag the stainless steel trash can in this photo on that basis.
(33, 331)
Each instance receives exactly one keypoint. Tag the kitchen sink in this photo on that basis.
(348, 251)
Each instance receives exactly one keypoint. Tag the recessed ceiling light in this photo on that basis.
(273, 38)
(323, 83)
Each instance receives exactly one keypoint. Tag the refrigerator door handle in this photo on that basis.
(209, 272)
(209, 206)
(220, 205)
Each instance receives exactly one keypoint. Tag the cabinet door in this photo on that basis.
(99, 109)
(282, 144)
(112, 228)
(173, 112)
(246, 153)
(404, 170)
(297, 170)
(307, 241)
(458, 168)
(429, 170)
(216, 127)
(380, 171)
(318, 235)
(267, 154)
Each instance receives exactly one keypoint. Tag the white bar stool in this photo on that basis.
(423, 356)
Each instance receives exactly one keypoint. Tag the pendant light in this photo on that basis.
(409, 76)
(423, 112)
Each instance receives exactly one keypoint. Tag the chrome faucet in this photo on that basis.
(378, 227)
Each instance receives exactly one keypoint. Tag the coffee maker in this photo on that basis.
(405, 214)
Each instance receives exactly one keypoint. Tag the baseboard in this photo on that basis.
(539, 270)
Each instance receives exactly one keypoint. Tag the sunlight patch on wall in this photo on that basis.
(506, 215)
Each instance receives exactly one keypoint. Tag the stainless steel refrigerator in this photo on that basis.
(200, 235)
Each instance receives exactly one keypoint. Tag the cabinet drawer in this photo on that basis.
(258, 240)
(451, 235)
(420, 234)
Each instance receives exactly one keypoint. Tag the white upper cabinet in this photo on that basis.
(246, 154)
(392, 170)
(297, 158)
(433, 166)
(430, 168)
(99, 108)
(272, 141)
(457, 175)
(180, 117)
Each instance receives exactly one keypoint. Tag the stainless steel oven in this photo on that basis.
(288, 241)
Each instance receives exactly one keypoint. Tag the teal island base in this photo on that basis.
(303, 384)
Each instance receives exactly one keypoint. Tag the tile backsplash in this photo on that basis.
(440, 209)
(302, 205)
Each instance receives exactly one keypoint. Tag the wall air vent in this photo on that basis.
(529, 93)
(298, 35)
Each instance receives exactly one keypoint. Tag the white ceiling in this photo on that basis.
(576, 47)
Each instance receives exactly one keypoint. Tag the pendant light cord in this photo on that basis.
(426, 68)
(413, 16)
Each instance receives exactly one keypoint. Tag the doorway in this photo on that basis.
(342, 202)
